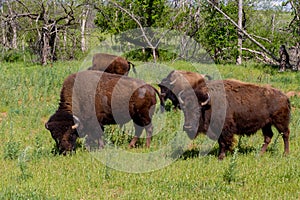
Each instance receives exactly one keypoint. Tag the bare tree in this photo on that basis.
(48, 23)
(42, 21)
(265, 50)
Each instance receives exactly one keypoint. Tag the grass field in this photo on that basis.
(30, 170)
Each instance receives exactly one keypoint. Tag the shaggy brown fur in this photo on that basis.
(236, 108)
(94, 99)
(111, 64)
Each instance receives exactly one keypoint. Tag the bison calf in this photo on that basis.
(224, 108)
(111, 64)
(91, 99)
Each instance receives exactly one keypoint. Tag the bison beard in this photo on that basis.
(241, 108)
(91, 99)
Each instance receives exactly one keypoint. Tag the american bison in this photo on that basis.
(176, 81)
(91, 99)
(224, 108)
(111, 64)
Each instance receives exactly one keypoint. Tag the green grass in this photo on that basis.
(29, 169)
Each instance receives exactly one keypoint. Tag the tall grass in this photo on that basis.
(29, 169)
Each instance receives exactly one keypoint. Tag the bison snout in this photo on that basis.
(191, 132)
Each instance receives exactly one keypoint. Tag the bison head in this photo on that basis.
(167, 93)
(193, 108)
(63, 128)
(171, 85)
(177, 81)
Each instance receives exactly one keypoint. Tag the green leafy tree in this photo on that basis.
(115, 17)
(217, 35)
(294, 25)
(150, 13)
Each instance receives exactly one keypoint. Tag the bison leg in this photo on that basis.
(285, 136)
(268, 134)
(284, 129)
(225, 142)
(149, 130)
(138, 132)
(222, 150)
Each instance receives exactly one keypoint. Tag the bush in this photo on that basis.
(16, 56)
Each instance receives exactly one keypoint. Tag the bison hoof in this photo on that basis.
(221, 156)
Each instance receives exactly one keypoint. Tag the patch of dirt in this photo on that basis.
(292, 94)
(3, 115)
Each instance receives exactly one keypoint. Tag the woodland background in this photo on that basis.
(45, 31)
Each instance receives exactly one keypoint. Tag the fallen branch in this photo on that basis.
(261, 38)
(264, 58)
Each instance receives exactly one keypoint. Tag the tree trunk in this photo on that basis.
(273, 25)
(13, 26)
(240, 34)
(45, 48)
(84, 16)
(65, 39)
(3, 25)
(14, 44)
(52, 42)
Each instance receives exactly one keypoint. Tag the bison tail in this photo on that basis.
(133, 67)
(162, 101)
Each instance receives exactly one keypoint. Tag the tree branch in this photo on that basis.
(244, 32)
(139, 24)
(265, 57)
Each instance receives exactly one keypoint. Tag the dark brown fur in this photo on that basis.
(111, 64)
(236, 108)
(98, 99)
(182, 80)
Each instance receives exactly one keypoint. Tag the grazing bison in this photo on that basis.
(91, 99)
(224, 108)
(111, 64)
(176, 81)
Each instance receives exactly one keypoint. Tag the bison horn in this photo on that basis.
(172, 83)
(179, 97)
(77, 121)
(46, 126)
(207, 100)
(207, 76)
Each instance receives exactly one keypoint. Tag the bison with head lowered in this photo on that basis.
(224, 108)
(178, 80)
(91, 99)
